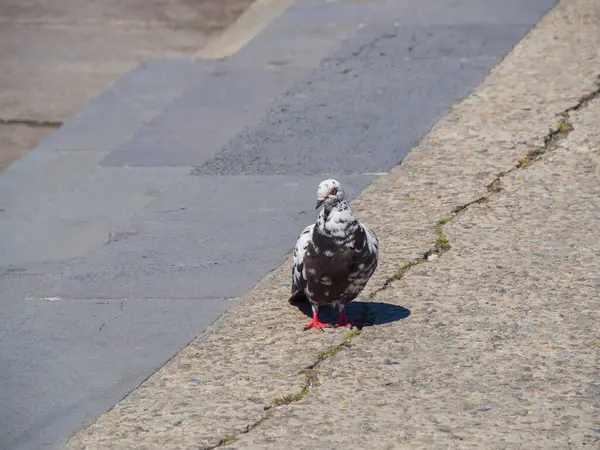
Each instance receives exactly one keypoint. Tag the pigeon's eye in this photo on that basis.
(333, 191)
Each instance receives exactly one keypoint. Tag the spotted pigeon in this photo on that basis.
(333, 258)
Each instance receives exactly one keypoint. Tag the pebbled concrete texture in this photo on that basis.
(501, 347)
(490, 343)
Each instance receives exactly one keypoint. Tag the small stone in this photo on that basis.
(501, 290)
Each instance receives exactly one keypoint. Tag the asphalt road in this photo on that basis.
(133, 226)
(57, 55)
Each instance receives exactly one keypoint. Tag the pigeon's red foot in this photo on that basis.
(316, 325)
(315, 322)
(343, 321)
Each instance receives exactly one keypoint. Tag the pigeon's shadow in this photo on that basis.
(361, 314)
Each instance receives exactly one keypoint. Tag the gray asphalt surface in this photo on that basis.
(58, 55)
(131, 228)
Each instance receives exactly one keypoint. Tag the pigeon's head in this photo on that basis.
(329, 193)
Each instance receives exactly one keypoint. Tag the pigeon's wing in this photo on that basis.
(298, 276)
(363, 264)
(372, 242)
(372, 258)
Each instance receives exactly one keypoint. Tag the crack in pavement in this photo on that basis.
(371, 45)
(32, 123)
(311, 374)
(20, 324)
(338, 61)
(121, 312)
(561, 130)
(311, 371)
(311, 380)
(584, 100)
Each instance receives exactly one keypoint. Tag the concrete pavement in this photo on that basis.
(490, 342)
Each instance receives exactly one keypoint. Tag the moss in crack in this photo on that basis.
(441, 245)
(227, 439)
(460, 208)
(561, 129)
(564, 126)
(441, 239)
(406, 267)
(398, 275)
(311, 374)
(332, 351)
(311, 380)
(443, 242)
(525, 161)
(351, 335)
(328, 353)
(312, 377)
(290, 398)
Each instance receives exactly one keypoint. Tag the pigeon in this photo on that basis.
(334, 258)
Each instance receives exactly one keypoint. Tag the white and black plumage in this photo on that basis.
(333, 258)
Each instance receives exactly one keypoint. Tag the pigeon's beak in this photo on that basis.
(320, 201)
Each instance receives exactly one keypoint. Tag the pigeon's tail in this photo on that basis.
(298, 298)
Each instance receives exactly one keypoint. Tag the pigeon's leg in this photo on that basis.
(315, 322)
(343, 320)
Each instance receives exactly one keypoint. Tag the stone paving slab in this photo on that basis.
(479, 347)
